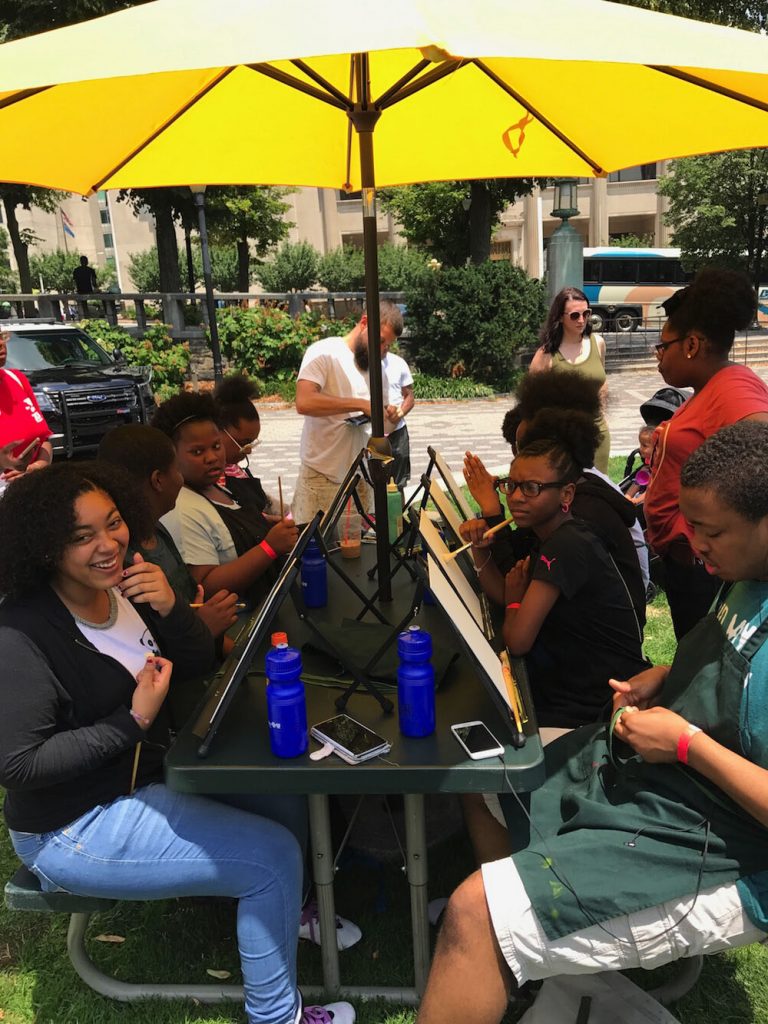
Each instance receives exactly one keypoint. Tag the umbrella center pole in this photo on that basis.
(364, 121)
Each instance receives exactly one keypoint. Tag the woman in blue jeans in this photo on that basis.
(87, 650)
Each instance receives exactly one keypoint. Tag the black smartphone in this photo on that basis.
(351, 740)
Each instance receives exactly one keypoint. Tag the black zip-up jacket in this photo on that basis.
(67, 739)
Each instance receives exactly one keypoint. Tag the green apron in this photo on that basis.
(614, 838)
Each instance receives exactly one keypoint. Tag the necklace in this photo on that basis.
(111, 618)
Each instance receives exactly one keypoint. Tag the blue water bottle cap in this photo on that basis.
(414, 643)
(283, 662)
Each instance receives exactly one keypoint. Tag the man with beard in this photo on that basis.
(332, 392)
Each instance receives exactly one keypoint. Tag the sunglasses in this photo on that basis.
(528, 488)
(582, 314)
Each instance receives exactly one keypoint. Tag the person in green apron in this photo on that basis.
(649, 839)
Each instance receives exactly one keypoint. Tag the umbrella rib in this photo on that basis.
(295, 83)
(163, 127)
(730, 94)
(539, 116)
(322, 82)
(441, 71)
(24, 94)
(407, 77)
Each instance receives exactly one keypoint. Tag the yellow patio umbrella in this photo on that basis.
(290, 93)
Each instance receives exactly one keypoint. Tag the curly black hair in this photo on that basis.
(184, 408)
(234, 397)
(138, 448)
(569, 438)
(558, 389)
(510, 423)
(551, 333)
(37, 519)
(717, 303)
(733, 463)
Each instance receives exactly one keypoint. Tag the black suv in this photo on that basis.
(82, 391)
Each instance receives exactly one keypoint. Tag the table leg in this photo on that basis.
(416, 866)
(322, 871)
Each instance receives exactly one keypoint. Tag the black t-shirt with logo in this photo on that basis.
(591, 633)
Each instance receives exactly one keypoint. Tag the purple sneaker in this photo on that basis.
(347, 932)
(331, 1013)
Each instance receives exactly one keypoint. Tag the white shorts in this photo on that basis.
(315, 492)
(646, 939)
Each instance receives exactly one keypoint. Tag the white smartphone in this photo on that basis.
(477, 739)
(351, 740)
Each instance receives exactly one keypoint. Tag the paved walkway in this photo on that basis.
(452, 427)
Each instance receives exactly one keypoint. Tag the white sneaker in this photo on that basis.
(331, 1013)
(347, 932)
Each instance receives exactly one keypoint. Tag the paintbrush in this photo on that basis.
(488, 533)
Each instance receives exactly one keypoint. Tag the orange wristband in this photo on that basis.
(513, 604)
(685, 741)
(268, 550)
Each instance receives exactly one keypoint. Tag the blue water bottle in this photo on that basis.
(415, 683)
(286, 703)
(314, 577)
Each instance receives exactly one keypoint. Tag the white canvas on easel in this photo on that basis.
(438, 548)
(465, 625)
(446, 508)
(451, 483)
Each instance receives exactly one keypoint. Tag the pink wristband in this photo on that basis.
(685, 741)
(142, 721)
(268, 550)
(513, 604)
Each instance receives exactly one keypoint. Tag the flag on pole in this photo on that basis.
(66, 223)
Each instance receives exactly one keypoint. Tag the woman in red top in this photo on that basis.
(693, 352)
(24, 434)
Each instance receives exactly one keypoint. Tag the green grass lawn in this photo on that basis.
(178, 940)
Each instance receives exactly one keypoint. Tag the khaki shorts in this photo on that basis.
(315, 492)
(647, 939)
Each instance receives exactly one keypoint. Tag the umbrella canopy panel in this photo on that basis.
(479, 91)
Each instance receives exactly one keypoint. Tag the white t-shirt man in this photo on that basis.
(399, 377)
(329, 444)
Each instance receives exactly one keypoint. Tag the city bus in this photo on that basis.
(625, 287)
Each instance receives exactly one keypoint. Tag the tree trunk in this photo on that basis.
(479, 223)
(243, 265)
(167, 247)
(190, 261)
(20, 251)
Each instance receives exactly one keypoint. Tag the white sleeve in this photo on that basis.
(195, 530)
(314, 367)
(406, 378)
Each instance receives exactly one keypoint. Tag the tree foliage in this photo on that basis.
(400, 267)
(294, 268)
(453, 221)
(144, 268)
(8, 280)
(54, 269)
(249, 218)
(470, 321)
(714, 212)
(342, 269)
(736, 13)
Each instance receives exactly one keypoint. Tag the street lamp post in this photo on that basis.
(198, 191)
(565, 255)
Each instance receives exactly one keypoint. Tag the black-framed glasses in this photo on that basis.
(528, 488)
(579, 314)
(662, 346)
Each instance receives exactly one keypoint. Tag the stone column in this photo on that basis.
(662, 233)
(598, 213)
(531, 248)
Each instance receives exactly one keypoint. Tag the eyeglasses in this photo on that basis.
(243, 449)
(528, 488)
(580, 314)
(662, 346)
